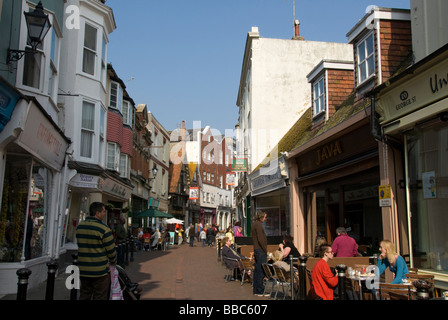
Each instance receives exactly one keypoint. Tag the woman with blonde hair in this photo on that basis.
(390, 258)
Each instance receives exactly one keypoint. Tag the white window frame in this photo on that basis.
(319, 100)
(92, 51)
(113, 156)
(127, 113)
(87, 129)
(363, 63)
(124, 165)
(116, 99)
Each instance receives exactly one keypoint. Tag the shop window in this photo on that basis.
(428, 185)
(25, 204)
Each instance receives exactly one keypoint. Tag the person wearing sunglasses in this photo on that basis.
(324, 281)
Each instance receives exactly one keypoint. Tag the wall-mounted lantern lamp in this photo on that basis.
(154, 171)
(38, 24)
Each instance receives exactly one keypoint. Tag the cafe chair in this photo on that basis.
(283, 281)
(233, 271)
(248, 270)
(411, 277)
(146, 244)
(270, 276)
(312, 294)
(405, 291)
(350, 289)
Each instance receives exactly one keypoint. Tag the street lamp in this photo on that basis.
(38, 24)
(154, 171)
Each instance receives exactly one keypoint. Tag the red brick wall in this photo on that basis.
(119, 134)
(396, 42)
(340, 85)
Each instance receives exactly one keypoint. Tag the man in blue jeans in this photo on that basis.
(260, 252)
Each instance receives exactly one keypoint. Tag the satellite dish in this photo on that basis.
(370, 8)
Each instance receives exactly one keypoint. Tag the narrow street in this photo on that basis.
(185, 273)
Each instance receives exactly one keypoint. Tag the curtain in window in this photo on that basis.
(87, 129)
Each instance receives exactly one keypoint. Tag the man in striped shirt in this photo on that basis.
(96, 250)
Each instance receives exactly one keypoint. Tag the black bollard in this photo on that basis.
(219, 249)
(74, 291)
(126, 245)
(302, 277)
(291, 275)
(132, 239)
(341, 268)
(52, 267)
(22, 284)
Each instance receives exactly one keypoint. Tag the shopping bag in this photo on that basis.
(115, 288)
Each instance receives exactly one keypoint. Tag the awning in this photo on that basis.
(153, 213)
(174, 221)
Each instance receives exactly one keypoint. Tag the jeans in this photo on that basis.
(260, 258)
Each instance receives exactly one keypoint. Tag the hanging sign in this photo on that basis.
(384, 195)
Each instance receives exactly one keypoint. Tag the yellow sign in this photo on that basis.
(384, 195)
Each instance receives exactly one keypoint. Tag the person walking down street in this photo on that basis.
(344, 245)
(260, 243)
(203, 237)
(210, 235)
(96, 253)
(191, 234)
(324, 281)
(155, 239)
(120, 232)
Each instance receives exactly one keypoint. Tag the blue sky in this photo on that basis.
(183, 58)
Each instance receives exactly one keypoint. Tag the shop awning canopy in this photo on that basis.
(174, 221)
(153, 213)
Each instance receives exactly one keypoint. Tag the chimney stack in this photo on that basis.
(297, 31)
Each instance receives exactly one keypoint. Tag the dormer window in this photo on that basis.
(366, 58)
(318, 96)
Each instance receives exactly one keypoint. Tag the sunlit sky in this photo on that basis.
(183, 58)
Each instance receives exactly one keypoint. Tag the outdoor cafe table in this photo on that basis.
(360, 280)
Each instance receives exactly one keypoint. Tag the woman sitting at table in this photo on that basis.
(390, 258)
(287, 248)
(277, 258)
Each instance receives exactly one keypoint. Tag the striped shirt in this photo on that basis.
(96, 248)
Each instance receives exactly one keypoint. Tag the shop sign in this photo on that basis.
(239, 165)
(117, 189)
(384, 196)
(40, 138)
(194, 193)
(424, 88)
(328, 151)
(86, 181)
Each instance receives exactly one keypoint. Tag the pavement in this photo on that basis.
(178, 273)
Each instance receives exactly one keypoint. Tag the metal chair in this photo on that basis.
(270, 277)
(232, 271)
(248, 270)
(283, 280)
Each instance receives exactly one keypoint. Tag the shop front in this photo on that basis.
(414, 112)
(86, 188)
(335, 184)
(33, 151)
(269, 193)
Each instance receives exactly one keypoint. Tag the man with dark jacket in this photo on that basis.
(260, 251)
